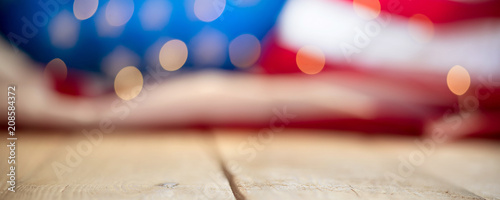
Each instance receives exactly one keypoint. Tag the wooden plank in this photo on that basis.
(293, 164)
(127, 166)
(31, 152)
(305, 164)
(473, 164)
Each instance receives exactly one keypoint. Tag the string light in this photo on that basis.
(55, 69)
(128, 83)
(173, 55)
(84, 9)
(421, 28)
(119, 12)
(367, 9)
(458, 80)
(244, 51)
(209, 10)
(310, 59)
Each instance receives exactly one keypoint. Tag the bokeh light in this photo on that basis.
(104, 29)
(310, 59)
(458, 80)
(154, 14)
(209, 10)
(64, 30)
(84, 9)
(153, 51)
(173, 55)
(367, 9)
(244, 51)
(119, 12)
(55, 70)
(119, 57)
(421, 28)
(128, 83)
(209, 48)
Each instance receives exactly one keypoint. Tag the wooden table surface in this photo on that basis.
(243, 164)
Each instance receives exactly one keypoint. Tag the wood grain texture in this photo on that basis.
(243, 164)
(305, 164)
(126, 166)
(473, 164)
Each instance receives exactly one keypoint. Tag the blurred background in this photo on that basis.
(375, 66)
